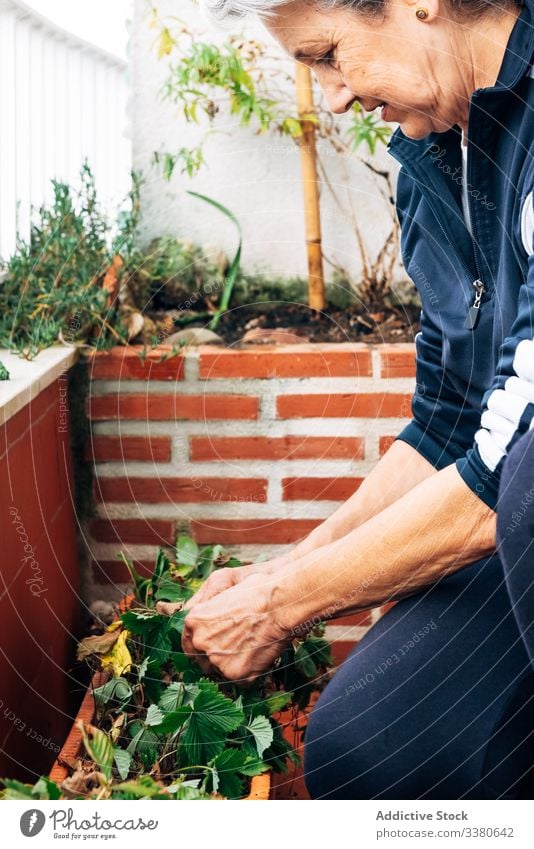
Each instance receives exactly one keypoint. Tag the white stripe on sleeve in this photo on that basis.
(505, 407)
(527, 224)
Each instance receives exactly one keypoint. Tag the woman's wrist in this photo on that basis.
(295, 597)
(267, 567)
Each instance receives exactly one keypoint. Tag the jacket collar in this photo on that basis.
(516, 63)
(518, 54)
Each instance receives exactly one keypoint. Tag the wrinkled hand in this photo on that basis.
(218, 582)
(236, 633)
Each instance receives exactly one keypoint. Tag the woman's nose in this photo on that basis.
(339, 98)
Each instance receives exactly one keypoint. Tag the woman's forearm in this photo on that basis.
(436, 528)
(397, 472)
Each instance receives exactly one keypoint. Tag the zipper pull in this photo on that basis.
(473, 312)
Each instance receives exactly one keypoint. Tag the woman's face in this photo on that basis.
(410, 65)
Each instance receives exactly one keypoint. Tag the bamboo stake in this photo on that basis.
(308, 162)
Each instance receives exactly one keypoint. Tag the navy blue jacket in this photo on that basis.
(475, 352)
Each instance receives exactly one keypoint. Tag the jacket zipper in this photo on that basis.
(473, 311)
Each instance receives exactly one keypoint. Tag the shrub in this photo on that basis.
(53, 289)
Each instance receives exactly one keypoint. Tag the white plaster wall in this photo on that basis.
(257, 177)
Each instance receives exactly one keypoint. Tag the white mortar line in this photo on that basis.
(256, 386)
(269, 469)
(224, 510)
(346, 426)
(191, 367)
(375, 364)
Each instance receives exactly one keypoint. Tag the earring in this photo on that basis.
(422, 14)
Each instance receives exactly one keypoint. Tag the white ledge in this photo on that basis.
(28, 378)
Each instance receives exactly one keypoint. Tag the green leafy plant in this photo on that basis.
(251, 80)
(143, 787)
(174, 272)
(41, 790)
(170, 272)
(233, 271)
(53, 288)
(4, 374)
(162, 728)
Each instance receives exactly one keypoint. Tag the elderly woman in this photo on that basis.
(437, 700)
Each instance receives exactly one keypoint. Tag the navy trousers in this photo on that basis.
(437, 700)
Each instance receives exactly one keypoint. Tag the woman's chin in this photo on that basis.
(417, 127)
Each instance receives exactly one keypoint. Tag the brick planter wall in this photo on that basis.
(250, 447)
(39, 598)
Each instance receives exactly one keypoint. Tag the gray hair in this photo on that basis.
(235, 9)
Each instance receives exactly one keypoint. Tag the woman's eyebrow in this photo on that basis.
(310, 52)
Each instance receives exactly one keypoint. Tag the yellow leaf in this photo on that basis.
(166, 43)
(119, 659)
(114, 625)
(195, 584)
(309, 116)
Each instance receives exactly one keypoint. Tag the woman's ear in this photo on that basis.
(425, 11)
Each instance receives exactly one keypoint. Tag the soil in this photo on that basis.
(350, 324)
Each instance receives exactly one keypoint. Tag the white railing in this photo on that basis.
(61, 100)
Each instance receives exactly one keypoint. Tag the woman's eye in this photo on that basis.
(327, 59)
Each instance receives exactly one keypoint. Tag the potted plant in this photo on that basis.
(152, 725)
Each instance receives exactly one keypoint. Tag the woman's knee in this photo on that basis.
(515, 534)
(348, 752)
(329, 744)
(515, 506)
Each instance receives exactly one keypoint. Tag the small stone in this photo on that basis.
(103, 612)
(194, 336)
(135, 323)
(254, 322)
(273, 335)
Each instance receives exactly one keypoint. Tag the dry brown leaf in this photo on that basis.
(81, 783)
(97, 644)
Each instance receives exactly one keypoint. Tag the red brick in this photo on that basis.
(271, 361)
(291, 447)
(141, 531)
(171, 407)
(252, 531)
(126, 364)
(156, 449)
(319, 489)
(397, 361)
(341, 650)
(181, 490)
(354, 620)
(115, 572)
(345, 405)
(385, 443)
